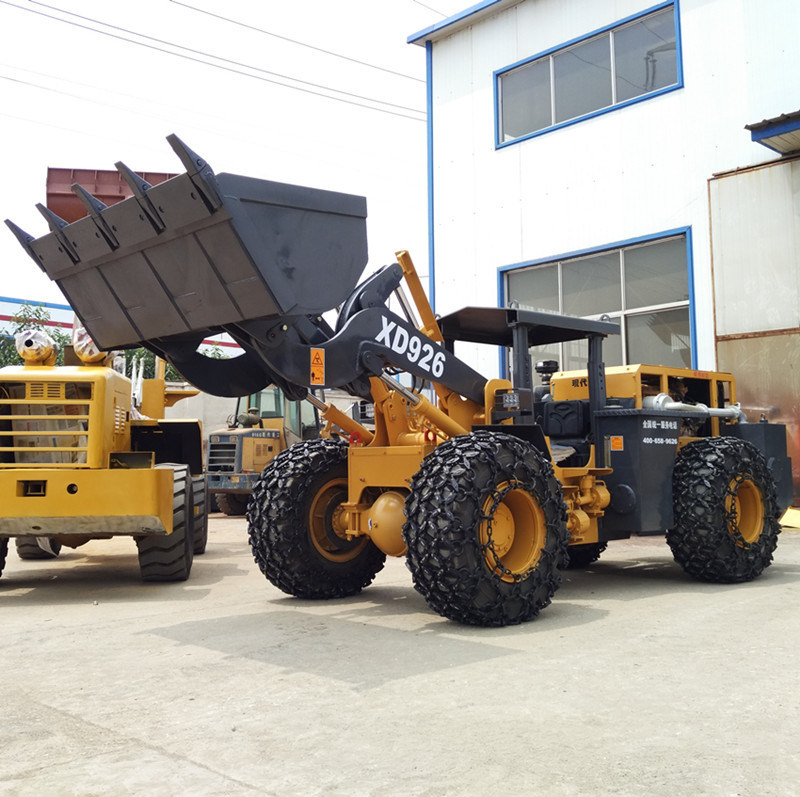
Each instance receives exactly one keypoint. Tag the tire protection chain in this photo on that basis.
(460, 460)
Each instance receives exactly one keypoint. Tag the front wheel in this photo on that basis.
(726, 511)
(3, 553)
(296, 526)
(486, 530)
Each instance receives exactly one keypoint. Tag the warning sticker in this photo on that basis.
(317, 367)
(616, 443)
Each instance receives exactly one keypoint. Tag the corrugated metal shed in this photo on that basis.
(781, 134)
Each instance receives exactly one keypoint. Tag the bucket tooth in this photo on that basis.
(25, 240)
(96, 208)
(201, 174)
(139, 186)
(57, 226)
(91, 203)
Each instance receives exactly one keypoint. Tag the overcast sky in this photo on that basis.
(314, 92)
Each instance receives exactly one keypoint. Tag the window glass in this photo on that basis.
(591, 285)
(645, 55)
(582, 78)
(536, 288)
(656, 273)
(526, 99)
(629, 61)
(661, 338)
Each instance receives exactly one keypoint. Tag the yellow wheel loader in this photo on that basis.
(488, 487)
(86, 454)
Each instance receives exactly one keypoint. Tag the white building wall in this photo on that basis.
(633, 171)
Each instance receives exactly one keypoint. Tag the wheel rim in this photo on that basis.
(513, 532)
(744, 509)
(326, 523)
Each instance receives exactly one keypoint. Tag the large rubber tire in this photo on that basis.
(579, 556)
(232, 503)
(726, 511)
(200, 506)
(486, 530)
(169, 558)
(3, 553)
(29, 549)
(293, 523)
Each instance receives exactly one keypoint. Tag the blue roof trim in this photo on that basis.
(34, 303)
(420, 37)
(767, 130)
(774, 129)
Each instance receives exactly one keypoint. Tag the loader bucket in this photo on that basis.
(201, 251)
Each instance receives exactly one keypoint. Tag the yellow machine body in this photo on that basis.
(640, 381)
(74, 464)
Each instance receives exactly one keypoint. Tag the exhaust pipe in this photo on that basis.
(664, 403)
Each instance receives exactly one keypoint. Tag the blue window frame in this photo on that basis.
(632, 60)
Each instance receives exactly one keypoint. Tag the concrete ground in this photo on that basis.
(636, 681)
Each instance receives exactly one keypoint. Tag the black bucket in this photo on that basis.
(201, 251)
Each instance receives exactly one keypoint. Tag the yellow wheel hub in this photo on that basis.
(327, 526)
(746, 503)
(514, 534)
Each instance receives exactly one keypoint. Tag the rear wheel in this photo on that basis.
(726, 511)
(486, 530)
(232, 503)
(200, 506)
(30, 548)
(296, 525)
(3, 553)
(169, 558)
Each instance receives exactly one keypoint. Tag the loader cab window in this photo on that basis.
(644, 287)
